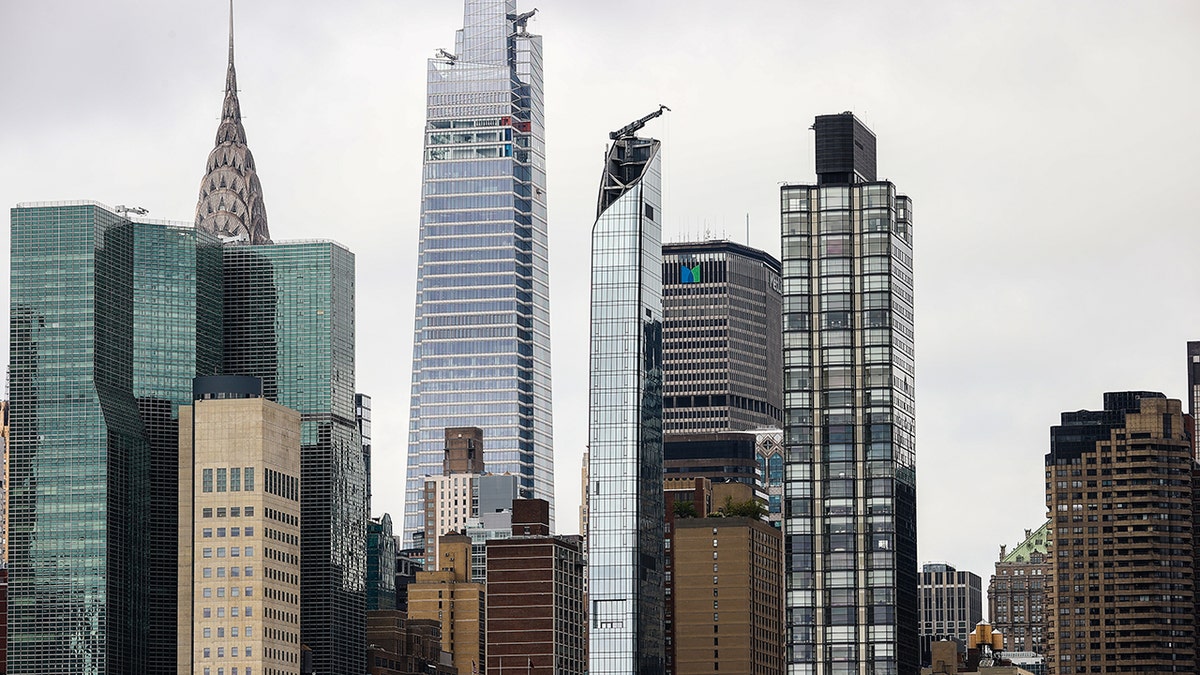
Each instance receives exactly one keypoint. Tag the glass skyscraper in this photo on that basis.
(625, 472)
(110, 321)
(850, 487)
(481, 345)
(289, 321)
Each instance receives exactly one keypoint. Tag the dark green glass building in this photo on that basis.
(110, 321)
(289, 320)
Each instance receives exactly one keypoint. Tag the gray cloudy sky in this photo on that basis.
(1048, 148)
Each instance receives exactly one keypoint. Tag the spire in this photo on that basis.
(230, 204)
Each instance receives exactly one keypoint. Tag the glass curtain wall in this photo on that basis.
(481, 344)
(850, 486)
(625, 526)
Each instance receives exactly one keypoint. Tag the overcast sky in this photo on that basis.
(1048, 149)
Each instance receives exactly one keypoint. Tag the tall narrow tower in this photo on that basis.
(481, 345)
(625, 497)
(849, 414)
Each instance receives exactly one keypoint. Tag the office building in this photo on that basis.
(1017, 592)
(727, 459)
(239, 531)
(1119, 494)
(625, 499)
(536, 620)
(398, 645)
(98, 368)
(408, 563)
(289, 321)
(722, 354)
(849, 414)
(728, 619)
(4, 445)
(951, 606)
(447, 595)
(481, 346)
(381, 564)
(362, 417)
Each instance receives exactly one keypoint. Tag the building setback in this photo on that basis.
(729, 620)
(1017, 592)
(98, 369)
(850, 418)
(722, 368)
(481, 344)
(625, 499)
(951, 605)
(239, 531)
(536, 620)
(1119, 494)
(289, 321)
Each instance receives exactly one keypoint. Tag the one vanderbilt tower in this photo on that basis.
(850, 491)
(481, 344)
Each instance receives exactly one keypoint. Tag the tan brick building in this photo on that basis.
(448, 596)
(727, 618)
(1119, 493)
(239, 532)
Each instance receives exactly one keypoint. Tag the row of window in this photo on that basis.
(235, 479)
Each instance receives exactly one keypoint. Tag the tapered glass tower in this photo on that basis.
(481, 345)
(625, 496)
(850, 488)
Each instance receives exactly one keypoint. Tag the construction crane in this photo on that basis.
(446, 55)
(126, 210)
(519, 20)
(632, 128)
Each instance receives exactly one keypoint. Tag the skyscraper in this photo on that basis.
(289, 321)
(951, 605)
(239, 531)
(481, 344)
(850, 491)
(625, 528)
(109, 320)
(722, 354)
(1120, 596)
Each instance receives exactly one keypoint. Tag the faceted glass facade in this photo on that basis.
(111, 321)
(176, 336)
(850, 490)
(721, 338)
(289, 320)
(625, 528)
(481, 346)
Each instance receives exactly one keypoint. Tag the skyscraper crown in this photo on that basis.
(231, 204)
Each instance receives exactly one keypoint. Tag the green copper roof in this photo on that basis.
(1039, 541)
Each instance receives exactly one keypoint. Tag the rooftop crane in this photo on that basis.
(632, 128)
(519, 20)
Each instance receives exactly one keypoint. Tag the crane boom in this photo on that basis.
(632, 128)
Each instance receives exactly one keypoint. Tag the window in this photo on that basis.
(248, 483)
(221, 482)
(207, 479)
(207, 512)
(235, 479)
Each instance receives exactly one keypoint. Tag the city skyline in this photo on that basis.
(1000, 116)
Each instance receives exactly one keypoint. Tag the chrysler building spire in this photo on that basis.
(231, 204)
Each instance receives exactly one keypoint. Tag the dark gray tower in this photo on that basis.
(849, 414)
(722, 339)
